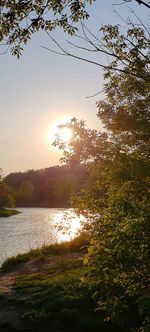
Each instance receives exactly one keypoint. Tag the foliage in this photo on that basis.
(117, 188)
(130, 51)
(6, 197)
(50, 187)
(8, 212)
(77, 245)
(25, 193)
(80, 147)
(126, 52)
(65, 186)
(21, 19)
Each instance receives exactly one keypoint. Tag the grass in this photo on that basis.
(49, 295)
(79, 244)
(53, 297)
(56, 299)
(8, 212)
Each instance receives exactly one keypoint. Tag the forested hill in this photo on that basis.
(49, 187)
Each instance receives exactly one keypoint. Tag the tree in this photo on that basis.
(64, 187)
(6, 197)
(25, 193)
(125, 51)
(21, 19)
(117, 188)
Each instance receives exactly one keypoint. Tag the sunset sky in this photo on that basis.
(42, 89)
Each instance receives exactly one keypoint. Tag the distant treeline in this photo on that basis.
(49, 187)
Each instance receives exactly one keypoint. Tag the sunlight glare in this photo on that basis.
(65, 133)
(67, 225)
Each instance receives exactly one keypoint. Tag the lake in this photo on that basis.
(34, 227)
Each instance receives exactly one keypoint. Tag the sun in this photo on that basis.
(65, 134)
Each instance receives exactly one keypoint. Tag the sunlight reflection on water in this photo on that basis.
(35, 227)
(67, 225)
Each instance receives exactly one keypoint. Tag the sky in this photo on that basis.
(43, 89)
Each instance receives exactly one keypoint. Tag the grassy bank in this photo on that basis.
(46, 290)
(78, 245)
(7, 212)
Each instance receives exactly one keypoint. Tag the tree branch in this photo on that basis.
(140, 2)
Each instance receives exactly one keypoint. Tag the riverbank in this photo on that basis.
(43, 291)
(8, 212)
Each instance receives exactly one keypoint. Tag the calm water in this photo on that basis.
(34, 227)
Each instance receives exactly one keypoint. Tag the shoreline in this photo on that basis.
(8, 212)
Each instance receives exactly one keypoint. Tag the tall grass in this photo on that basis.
(78, 244)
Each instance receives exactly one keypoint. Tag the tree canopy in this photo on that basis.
(19, 20)
(49, 187)
(125, 52)
(117, 190)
